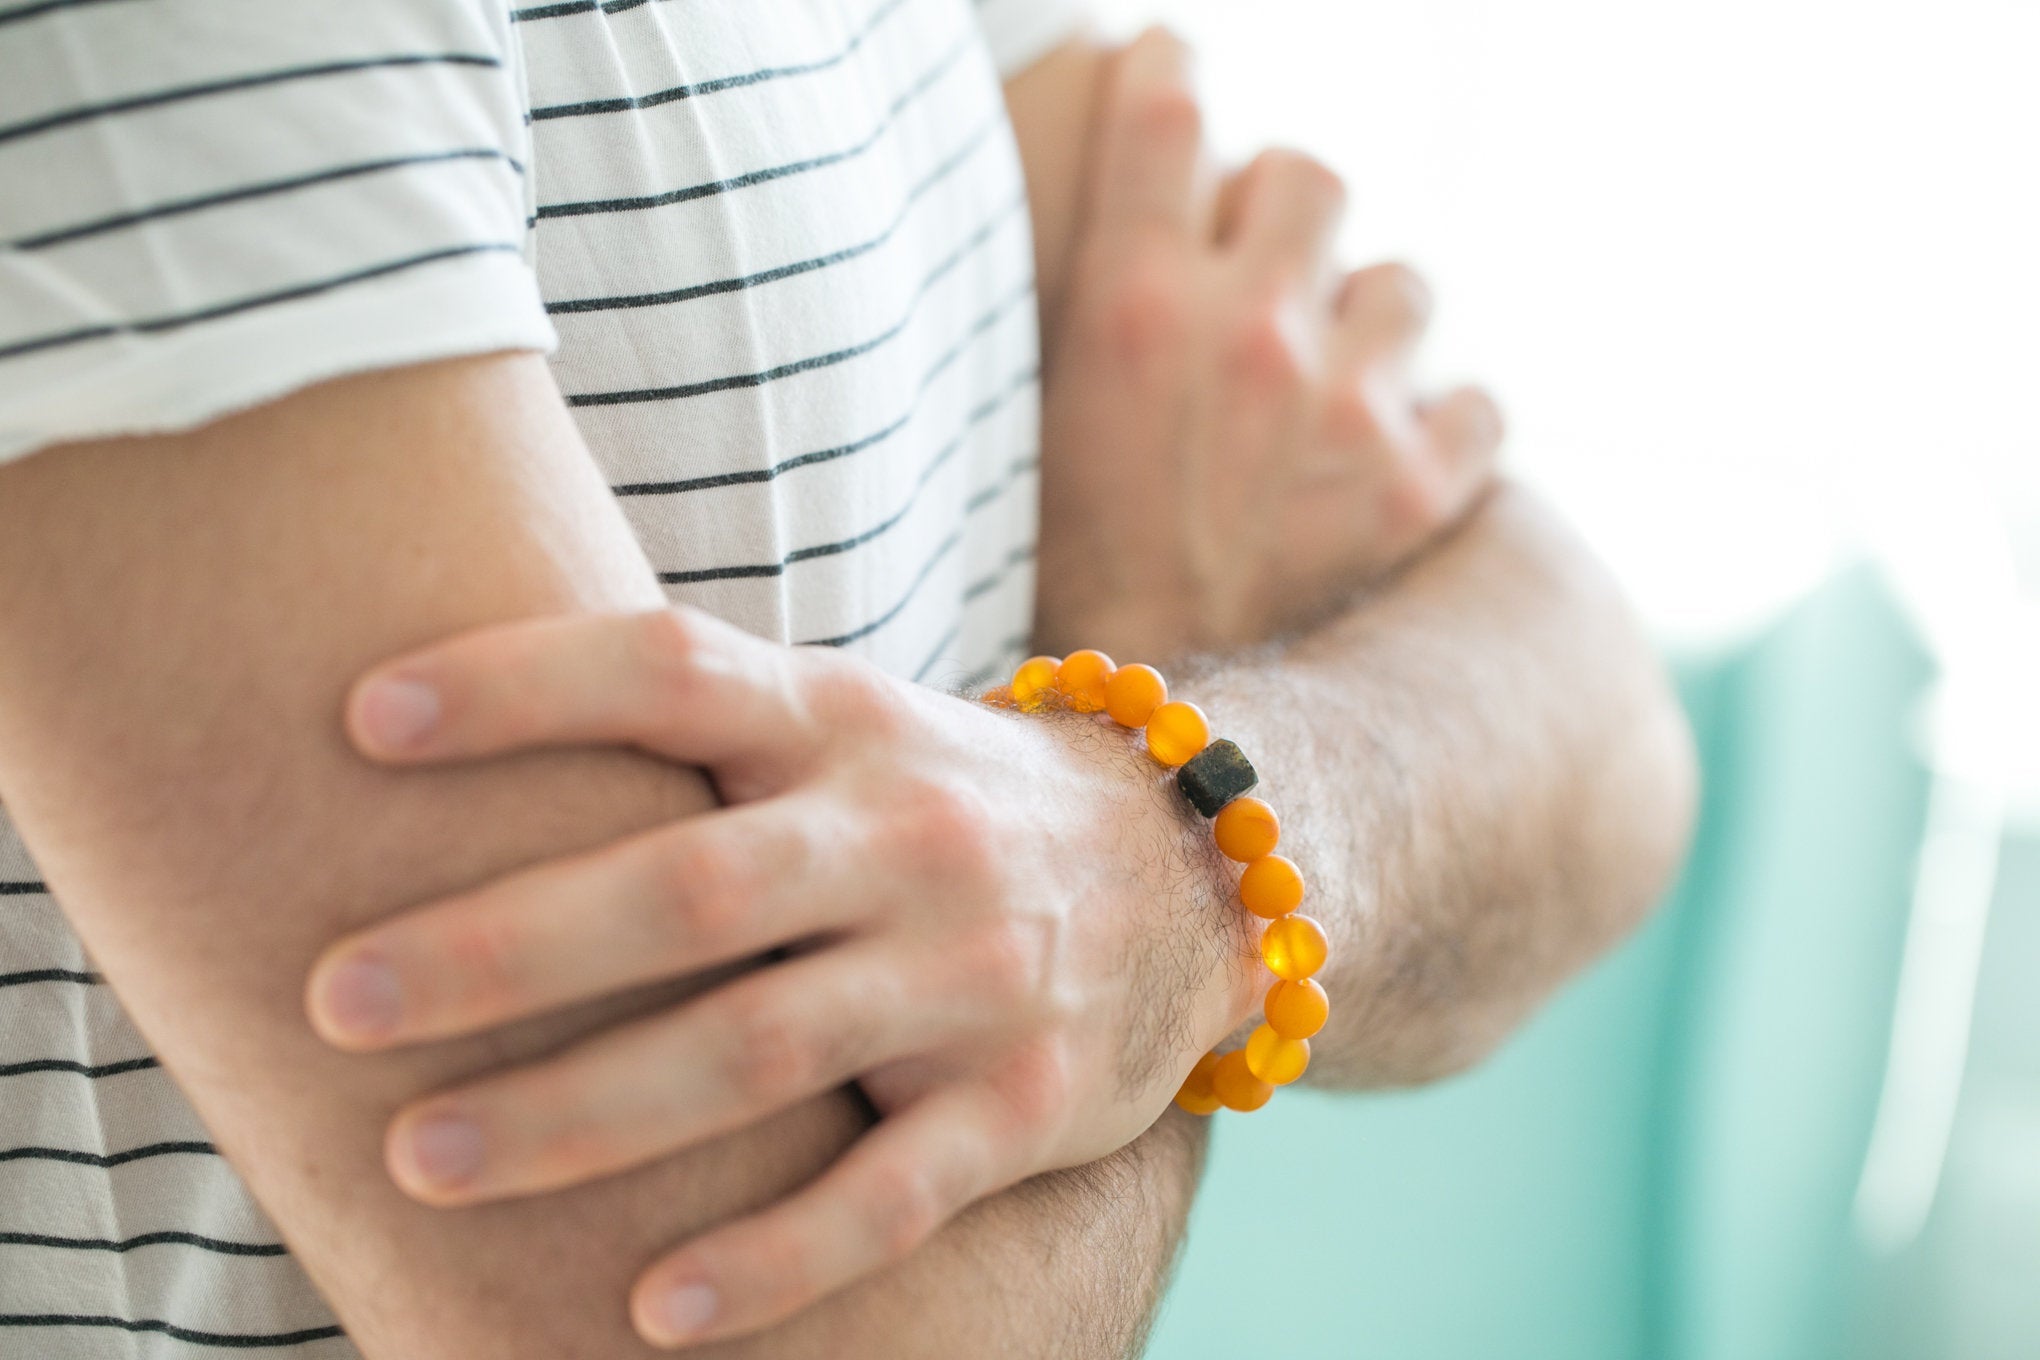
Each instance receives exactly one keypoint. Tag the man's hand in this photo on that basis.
(180, 621)
(1231, 443)
(1002, 928)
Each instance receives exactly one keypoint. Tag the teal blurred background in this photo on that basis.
(1670, 1161)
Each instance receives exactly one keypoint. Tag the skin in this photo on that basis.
(162, 788)
(1014, 953)
(171, 748)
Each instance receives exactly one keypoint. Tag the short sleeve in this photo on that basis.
(211, 203)
(1021, 32)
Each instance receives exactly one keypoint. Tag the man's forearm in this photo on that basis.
(1485, 775)
(169, 744)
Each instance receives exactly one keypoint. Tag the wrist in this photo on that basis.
(1186, 907)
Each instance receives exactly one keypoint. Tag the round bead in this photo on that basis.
(999, 696)
(1081, 680)
(1274, 1059)
(1297, 1010)
(1133, 693)
(1196, 1094)
(1034, 682)
(1272, 886)
(1294, 947)
(1237, 1086)
(1177, 731)
(1246, 829)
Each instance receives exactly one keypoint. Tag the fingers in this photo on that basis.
(1150, 171)
(713, 889)
(637, 1092)
(912, 1173)
(675, 681)
(1465, 428)
(1285, 215)
(1381, 313)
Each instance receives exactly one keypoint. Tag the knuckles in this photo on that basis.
(484, 952)
(711, 889)
(771, 1059)
(861, 699)
(1164, 119)
(903, 1207)
(1264, 357)
(1385, 307)
(1400, 292)
(949, 831)
(1351, 419)
(1295, 179)
(671, 643)
(1412, 506)
(1146, 313)
(1036, 1086)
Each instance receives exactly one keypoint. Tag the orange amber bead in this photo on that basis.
(999, 696)
(1272, 886)
(1297, 1010)
(1294, 947)
(1133, 693)
(1274, 1059)
(1246, 829)
(1197, 1094)
(1034, 682)
(1177, 731)
(1081, 680)
(1237, 1086)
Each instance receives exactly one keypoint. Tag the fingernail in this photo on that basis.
(397, 714)
(444, 1150)
(682, 1313)
(361, 999)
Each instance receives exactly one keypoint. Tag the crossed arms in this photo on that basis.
(183, 616)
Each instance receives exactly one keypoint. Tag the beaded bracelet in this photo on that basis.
(1215, 777)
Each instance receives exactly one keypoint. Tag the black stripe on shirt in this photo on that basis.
(232, 1340)
(106, 1160)
(719, 83)
(21, 887)
(976, 416)
(786, 271)
(947, 546)
(748, 476)
(157, 98)
(978, 588)
(45, 7)
(887, 121)
(518, 16)
(935, 653)
(136, 1243)
(48, 975)
(177, 207)
(707, 386)
(154, 325)
(1023, 553)
(94, 1071)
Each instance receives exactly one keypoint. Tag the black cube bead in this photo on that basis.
(1215, 776)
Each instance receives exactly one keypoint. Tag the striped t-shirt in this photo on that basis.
(779, 251)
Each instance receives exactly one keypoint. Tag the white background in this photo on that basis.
(1746, 275)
